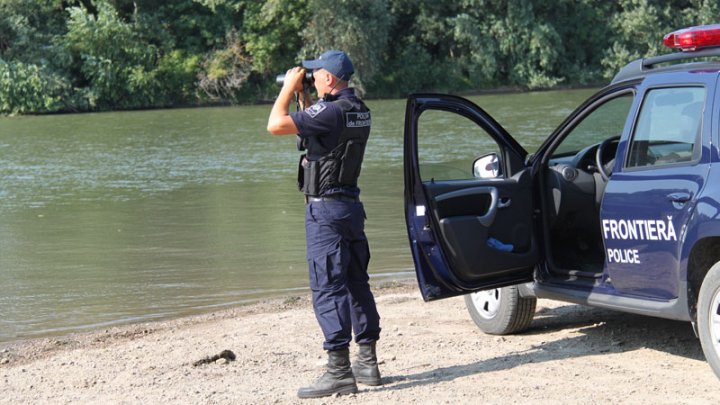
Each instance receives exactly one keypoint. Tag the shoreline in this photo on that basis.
(428, 353)
(268, 102)
(377, 281)
(32, 348)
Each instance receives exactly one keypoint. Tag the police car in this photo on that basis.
(619, 208)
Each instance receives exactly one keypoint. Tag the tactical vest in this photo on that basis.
(323, 168)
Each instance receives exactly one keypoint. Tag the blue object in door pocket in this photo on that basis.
(496, 244)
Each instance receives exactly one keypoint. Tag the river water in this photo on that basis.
(123, 217)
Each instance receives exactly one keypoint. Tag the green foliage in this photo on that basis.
(271, 31)
(112, 58)
(82, 55)
(638, 31)
(359, 27)
(225, 71)
(529, 47)
(401, 77)
(583, 34)
(640, 25)
(27, 26)
(176, 74)
(195, 26)
(26, 88)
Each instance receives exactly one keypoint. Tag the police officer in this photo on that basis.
(333, 133)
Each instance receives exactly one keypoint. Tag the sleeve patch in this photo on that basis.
(315, 109)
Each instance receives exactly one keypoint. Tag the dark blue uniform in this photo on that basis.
(337, 249)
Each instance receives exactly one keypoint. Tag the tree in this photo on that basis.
(28, 81)
(26, 27)
(639, 26)
(115, 54)
(116, 65)
(272, 32)
(226, 70)
(28, 88)
(360, 28)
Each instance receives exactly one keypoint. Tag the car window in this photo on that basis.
(448, 143)
(605, 121)
(668, 128)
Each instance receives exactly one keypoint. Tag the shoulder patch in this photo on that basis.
(315, 109)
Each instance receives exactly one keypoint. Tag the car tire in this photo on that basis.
(501, 311)
(708, 317)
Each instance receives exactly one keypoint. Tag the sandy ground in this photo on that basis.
(429, 353)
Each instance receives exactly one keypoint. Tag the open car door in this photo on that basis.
(468, 199)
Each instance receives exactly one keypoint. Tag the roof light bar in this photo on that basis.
(692, 38)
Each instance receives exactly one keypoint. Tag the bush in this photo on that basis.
(112, 58)
(225, 71)
(177, 77)
(26, 88)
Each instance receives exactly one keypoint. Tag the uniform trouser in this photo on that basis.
(338, 257)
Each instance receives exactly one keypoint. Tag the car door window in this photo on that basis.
(668, 128)
(448, 143)
(604, 121)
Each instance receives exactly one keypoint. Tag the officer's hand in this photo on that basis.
(293, 79)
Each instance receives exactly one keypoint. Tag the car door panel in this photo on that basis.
(642, 240)
(468, 234)
(469, 217)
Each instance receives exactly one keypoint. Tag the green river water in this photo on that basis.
(124, 217)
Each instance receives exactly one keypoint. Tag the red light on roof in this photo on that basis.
(690, 39)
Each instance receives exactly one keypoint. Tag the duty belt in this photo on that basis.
(336, 197)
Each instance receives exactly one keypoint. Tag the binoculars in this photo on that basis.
(307, 80)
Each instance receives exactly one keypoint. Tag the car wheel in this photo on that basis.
(501, 311)
(708, 317)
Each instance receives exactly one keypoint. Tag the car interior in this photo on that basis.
(579, 167)
(573, 187)
(573, 182)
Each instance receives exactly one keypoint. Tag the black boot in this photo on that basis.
(338, 379)
(365, 366)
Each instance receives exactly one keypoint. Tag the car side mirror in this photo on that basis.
(487, 167)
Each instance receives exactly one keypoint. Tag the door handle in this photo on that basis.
(680, 198)
(504, 202)
(487, 219)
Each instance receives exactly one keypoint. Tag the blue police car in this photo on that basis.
(619, 208)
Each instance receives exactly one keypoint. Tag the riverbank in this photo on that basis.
(429, 353)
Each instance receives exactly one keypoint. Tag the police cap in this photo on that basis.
(335, 62)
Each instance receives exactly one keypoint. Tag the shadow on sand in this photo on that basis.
(600, 332)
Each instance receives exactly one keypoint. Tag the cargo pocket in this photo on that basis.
(328, 318)
(326, 271)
